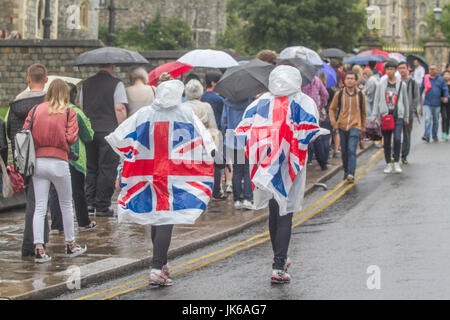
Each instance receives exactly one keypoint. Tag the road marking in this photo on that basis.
(365, 168)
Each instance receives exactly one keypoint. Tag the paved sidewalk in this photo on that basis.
(115, 249)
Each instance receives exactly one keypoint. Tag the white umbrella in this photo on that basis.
(208, 59)
(302, 52)
(74, 81)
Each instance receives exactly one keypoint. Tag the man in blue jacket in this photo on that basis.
(432, 103)
(231, 117)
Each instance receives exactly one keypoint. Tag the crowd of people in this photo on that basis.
(13, 35)
(77, 169)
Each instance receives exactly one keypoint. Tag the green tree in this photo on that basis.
(276, 24)
(444, 22)
(158, 35)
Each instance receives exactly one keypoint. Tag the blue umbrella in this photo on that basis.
(365, 59)
(330, 73)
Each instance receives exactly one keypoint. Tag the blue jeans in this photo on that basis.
(349, 145)
(321, 148)
(431, 119)
(241, 172)
(387, 136)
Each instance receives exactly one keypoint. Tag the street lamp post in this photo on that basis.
(47, 21)
(112, 23)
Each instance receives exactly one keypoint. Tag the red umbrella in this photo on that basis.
(175, 68)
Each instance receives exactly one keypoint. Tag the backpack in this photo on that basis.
(341, 92)
(24, 154)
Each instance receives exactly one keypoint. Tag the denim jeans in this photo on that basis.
(241, 172)
(321, 148)
(349, 145)
(387, 135)
(431, 120)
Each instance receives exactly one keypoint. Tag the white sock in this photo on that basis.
(156, 271)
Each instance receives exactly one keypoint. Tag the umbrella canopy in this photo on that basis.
(365, 59)
(376, 52)
(51, 78)
(397, 56)
(245, 81)
(110, 55)
(330, 73)
(421, 59)
(175, 68)
(302, 52)
(208, 59)
(307, 70)
(333, 53)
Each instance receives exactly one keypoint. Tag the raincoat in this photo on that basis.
(278, 128)
(168, 170)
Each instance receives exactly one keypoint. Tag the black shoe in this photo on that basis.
(426, 139)
(107, 213)
(220, 196)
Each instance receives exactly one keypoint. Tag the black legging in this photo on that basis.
(280, 228)
(445, 112)
(161, 236)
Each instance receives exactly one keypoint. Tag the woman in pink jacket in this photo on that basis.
(54, 129)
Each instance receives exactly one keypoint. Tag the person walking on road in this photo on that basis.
(413, 91)
(18, 112)
(435, 88)
(391, 101)
(164, 193)
(279, 170)
(77, 172)
(217, 102)
(231, 116)
(348, 115)
(139, 94)
(54, 129)
(103, 99)
(445, 110)
(318, 92)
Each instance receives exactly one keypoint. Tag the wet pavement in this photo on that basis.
(386, 238)
(115, 249)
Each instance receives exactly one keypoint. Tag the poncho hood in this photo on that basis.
(168, 94)
(284, 81)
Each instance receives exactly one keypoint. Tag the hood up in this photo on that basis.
(168, 94)
(285, 80)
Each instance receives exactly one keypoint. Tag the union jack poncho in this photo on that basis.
(278, 128)
(168, 171)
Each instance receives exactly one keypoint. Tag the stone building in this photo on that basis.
(71, 19)
(403, 21)
(207, 18)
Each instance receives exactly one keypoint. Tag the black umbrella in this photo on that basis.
(333, 53)
(110, 55)
(421, 59)
(307, 70)
(245, 81)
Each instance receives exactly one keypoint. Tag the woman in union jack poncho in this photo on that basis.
(168, 170)
(278, 128)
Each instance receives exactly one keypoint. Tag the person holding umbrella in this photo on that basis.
(103, 99)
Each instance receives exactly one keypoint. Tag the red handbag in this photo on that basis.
(387, 122)
(16, 180)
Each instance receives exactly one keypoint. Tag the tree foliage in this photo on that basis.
(444, 22)
(276, 24)
(174, 34)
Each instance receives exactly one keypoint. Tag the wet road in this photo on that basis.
(390, 233)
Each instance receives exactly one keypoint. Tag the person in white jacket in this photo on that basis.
(278, 128)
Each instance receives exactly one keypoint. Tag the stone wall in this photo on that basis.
(59, 56)
(206, 17)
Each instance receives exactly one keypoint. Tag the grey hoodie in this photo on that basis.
(380, 107)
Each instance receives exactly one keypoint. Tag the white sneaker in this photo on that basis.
(229, 188)
(397, 167)
(280, 277)
(388, 168)
(238, 205)
(247, 205)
